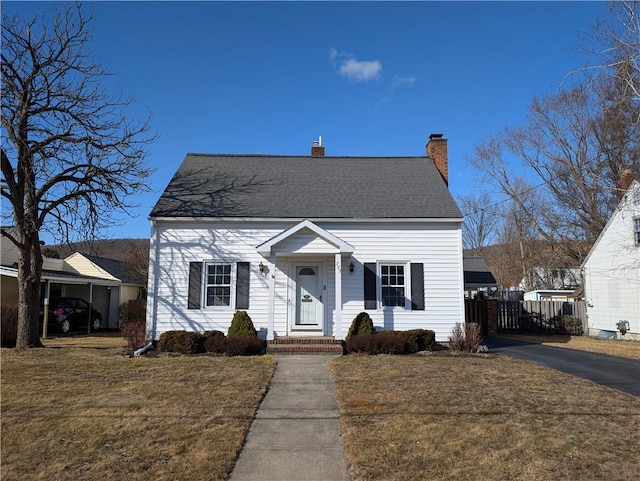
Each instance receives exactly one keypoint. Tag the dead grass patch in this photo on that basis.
(101, 340)
(85, 414)
(481, 418)
(612, 347)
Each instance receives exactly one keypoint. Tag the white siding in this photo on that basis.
(437, 245)
(305, 243)
(612, 271)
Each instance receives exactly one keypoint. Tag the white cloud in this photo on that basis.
(398, 81)
(360, 70)
(352, 69)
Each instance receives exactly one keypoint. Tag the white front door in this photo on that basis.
(309, 308)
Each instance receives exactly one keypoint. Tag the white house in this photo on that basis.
(611, 271)
(305, 243)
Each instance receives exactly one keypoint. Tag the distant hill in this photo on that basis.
(118, 249)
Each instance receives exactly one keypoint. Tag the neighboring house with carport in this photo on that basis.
(103, 282)
(128, 288)
(611, 271)
(479, 281)
(305, 243)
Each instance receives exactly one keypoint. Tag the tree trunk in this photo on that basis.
(29, 271)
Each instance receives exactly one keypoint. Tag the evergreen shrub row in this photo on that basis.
(363, 338)
(242, 340)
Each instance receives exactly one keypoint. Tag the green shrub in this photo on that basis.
(245, 346)
(207, 334)
(216, 344)
(9, 323)
(418, 339)
(235, 346)
(184, 342)
(134, 331)
(362, 324)
(385, 342)
(242, 326)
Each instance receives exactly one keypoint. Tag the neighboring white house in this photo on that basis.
(611, 271)
(566, 295)
(550, 278)
(305, 243)
(103, 282)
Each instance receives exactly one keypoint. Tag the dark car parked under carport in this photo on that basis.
(69, 313)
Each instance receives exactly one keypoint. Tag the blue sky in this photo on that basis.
(371, 78)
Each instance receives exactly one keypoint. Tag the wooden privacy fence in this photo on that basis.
(542, 317)
(532, 317)
(476, 311)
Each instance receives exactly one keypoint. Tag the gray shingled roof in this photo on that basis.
(306, 187)
(114, 267)
(476, 271)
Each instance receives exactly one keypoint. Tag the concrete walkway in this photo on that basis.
(296, 433)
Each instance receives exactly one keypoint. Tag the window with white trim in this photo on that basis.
(393, 280)
(636, 229)
(218, 285)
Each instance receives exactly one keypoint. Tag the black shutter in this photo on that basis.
(370, 288)
(242, 285)
(195, 285)
(417, 287)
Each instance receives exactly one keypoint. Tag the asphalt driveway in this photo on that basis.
(615, 372)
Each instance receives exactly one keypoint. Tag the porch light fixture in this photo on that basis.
(351, 267)
(263, 269)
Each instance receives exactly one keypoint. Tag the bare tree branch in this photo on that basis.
(72, 158)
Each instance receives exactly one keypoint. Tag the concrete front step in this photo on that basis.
(304, 345)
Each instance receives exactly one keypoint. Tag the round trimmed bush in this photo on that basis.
(184, 342)
(242, 326)
(362, 324)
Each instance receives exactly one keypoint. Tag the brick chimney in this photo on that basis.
(437, 150)
(626, 179)
(317, 150)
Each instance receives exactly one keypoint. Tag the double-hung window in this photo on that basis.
(393, 280)
(389, 284)
(218, 285)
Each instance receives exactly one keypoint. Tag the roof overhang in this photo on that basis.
(62, 277)
(346, 220)
(296, 240)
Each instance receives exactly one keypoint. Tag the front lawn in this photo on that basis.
(483, 417)
(77, 413)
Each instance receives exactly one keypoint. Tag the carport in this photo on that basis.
(102, 294)
(99, 293)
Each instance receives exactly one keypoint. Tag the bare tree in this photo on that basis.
(576, 150)
(71, 158)
(137, 260)
(615, 45)
(480, 221)
(576, 144)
